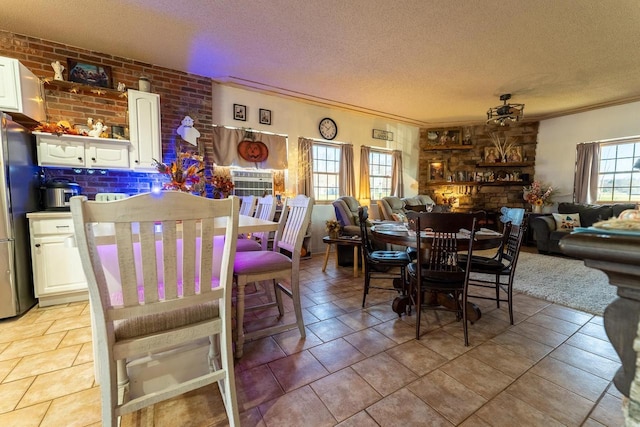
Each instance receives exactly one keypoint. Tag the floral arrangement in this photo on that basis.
(59, 128)
(537, 195)
(222, 184)
(185, 174)
(333, 226)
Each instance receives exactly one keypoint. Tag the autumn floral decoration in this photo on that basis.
(537, 195)
(186, 174)
(222, 185)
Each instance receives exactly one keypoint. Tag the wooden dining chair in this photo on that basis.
(378, 262)
(438, 277)
(502, 265)
(281, 266)
(265, 209)
(153, 285)
(247, 205)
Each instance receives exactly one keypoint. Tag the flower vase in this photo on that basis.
(334, 234)
(536, 208)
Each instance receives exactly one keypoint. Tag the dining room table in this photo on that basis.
(399, 233)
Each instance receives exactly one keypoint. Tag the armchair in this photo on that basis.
(388, 206)
(346, 208)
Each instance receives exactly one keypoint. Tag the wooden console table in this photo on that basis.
(619, 257)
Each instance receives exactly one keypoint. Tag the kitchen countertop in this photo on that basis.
(49, 214)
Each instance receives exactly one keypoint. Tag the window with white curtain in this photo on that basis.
(326, 171)
(618, 181)
(380, 174)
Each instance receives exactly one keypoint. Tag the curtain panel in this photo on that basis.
(305, 167)
(585, 183)
(397, 182)
(347, 175)
(365, 184)
(225, 148)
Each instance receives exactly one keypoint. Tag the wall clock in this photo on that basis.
(328, 128)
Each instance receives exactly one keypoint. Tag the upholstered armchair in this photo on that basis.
(388, 206)
(346, 208)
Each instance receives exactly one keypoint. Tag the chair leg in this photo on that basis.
(109, 392)
(297, 307)
(498, 290)
(510, 300)
(465, 327)
(418, 292)
(241, 283)
(367, 278)
(278, 292)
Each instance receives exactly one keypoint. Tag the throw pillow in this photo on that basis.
(399, 217)
(566, 222)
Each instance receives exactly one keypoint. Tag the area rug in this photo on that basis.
(564, 281)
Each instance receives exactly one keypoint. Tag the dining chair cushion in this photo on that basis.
(438, 280)
(390, 257)
(256, 262)
(246, 245)
(146, 325)
(488, 266)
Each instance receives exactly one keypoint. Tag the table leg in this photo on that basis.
(355, 261)
(326, 257)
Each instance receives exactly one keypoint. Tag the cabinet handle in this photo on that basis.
(62, 226)
(37, 245)
(136, 161)
(93, 159)
(80, 158)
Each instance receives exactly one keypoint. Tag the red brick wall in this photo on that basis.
(180, 94)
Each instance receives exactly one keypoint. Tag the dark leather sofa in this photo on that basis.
(544, 227)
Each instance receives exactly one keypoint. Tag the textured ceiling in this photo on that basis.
(424, 61)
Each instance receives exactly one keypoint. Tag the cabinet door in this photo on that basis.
(106, 155)
(56, 266)
(9, 85)
(60, 153)
(144, 129)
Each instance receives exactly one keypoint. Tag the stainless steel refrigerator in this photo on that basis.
(19, 194)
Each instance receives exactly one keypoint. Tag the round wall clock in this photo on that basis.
(328, 128)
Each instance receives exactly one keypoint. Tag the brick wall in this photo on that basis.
(487, 197)
(180, 94)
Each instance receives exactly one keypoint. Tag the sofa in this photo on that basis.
(548, 230)
(346, 208)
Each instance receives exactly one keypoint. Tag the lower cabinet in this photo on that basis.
(57, 270)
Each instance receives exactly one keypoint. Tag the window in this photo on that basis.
(379, 174)
(617, 180)
(326, 171)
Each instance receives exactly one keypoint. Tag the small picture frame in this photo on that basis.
(117, 132)
(436, 170)
(265, 116)
(240, 112)
(447, 136)
(514, 154)
(382, 134)
(89, 74)
(491, 155)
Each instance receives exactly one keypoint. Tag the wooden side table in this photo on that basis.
(342, 241)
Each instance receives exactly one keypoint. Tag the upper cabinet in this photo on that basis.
(144, 129)
(20, 91)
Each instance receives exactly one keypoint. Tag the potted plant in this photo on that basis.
(537, 195)
(333, 228)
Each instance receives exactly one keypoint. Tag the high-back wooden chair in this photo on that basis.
(248, 205)
(502, 265)
(376, 260)
(265, 208)
(280, 265)
(151, 263)
(438, 276)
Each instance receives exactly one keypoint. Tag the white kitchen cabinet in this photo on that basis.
(81, 151)
(144, 129)
(57, 270)
(20, 90)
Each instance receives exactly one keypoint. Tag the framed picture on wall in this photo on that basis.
(265, 116)
(436, 170)
(240, 112)
(89, 74)
(514, 154)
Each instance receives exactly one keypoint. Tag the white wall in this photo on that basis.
(557, 140)
(300, 119)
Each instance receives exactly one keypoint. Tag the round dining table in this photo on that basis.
(398, 233)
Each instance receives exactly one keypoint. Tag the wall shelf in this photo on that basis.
(448, 147)
(505, 165)
(478, 183)
(80, 89)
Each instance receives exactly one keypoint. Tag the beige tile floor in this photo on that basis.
(356, 367)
